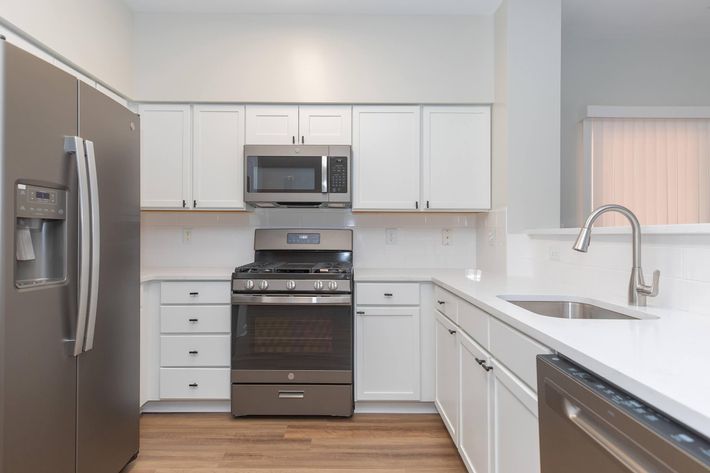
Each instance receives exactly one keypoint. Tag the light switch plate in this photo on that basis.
(391, 236)
(447, 238)
(187, 235)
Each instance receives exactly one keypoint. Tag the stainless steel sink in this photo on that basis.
(572, 309)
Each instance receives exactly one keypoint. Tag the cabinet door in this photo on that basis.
(325, 124)
(218, 158)
(447, 374)
(271, 124)
(457, 158)
(386, 158)
(165, 155)
(515, 427)
(476, 385)
(387, 365)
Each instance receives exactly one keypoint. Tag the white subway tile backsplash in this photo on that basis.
(227, 239)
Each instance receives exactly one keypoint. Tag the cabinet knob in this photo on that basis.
(388, 294)
(193, 321)
(486, 367)
(193, 352)
(441, 302)
(193, 294)
(479, 361)
(360, 312)
(452, 331)
(193, 385)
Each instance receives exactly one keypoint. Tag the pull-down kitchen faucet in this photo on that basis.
(638, 290)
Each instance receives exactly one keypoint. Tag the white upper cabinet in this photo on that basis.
(218, 157)
(165, 155)
(457, 158)
(271, 124)
(386, 157)
(325, 124)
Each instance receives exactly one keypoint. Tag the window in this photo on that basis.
(659, 168)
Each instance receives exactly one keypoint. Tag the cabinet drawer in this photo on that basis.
(446, 303)
(474, 322)
(516, 351)
(195, 318)
(387, 294)
(194, 383)
(194, 350)
(195, 292)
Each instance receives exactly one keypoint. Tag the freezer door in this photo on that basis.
(37, 325)
(108, 374)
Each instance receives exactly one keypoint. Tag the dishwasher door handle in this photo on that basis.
(614, 443)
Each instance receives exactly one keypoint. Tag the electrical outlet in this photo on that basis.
(491, 237)
(554, 253)
(447, 238)
(187, 235)
(391, 236)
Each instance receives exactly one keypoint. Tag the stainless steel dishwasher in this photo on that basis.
(588, 425)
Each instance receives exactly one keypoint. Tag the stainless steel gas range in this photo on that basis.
(292, 325)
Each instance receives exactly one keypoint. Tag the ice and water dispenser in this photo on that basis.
(40, 236)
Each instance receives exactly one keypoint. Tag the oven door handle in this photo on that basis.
(291, 300)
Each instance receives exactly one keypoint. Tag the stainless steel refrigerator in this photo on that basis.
(69, 273)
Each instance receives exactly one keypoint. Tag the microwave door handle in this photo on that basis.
(75, 145)
(324, 174)
(95, 244)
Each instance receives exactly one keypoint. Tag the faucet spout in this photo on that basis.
(638, 290)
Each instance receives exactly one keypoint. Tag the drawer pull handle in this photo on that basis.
(360, 312)
(193, 385)
(193, 352)
(485, 366)
(479, 361)
(441, 302)
(388, 294)
(193, 294)
(193, 321)
(452, 331)
(291, 394)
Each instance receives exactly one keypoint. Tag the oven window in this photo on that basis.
(291, 338)
(274, 174)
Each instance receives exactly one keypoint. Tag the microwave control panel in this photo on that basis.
(338, 175)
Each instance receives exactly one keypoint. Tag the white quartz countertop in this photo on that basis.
(663, 361)
(186, 274)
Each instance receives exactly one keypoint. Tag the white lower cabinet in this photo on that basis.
(447, 374)
(476, 385)
(489, 406)
(388, 349)
(515, 426)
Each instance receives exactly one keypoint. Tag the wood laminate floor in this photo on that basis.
(218, 443)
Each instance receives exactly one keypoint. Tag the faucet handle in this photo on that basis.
(652, 290)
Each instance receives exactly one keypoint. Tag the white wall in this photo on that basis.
(226, 240)
(321, 58)
(94, 35)
(526, 135)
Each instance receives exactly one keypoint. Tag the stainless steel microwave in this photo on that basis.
(297, 176)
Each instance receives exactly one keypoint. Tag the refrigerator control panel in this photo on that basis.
(40, 202)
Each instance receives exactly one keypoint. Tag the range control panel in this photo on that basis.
(338, 175)
(40, 202)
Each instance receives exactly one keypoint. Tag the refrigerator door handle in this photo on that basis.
(75, 145)
(95, 244)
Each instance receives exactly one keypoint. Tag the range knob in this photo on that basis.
(318, 285)
(290, 285)
(263, 285)
(249, 285)
(333, 285)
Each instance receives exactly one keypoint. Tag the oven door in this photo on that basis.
(286, 174)
(292, 339)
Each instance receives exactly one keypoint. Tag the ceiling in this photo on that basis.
(316, 7)
(637, 18)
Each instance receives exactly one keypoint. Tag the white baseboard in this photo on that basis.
(185, 406)
(394, 407)
(361, 407)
